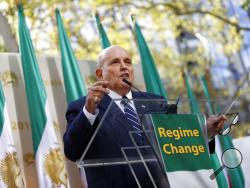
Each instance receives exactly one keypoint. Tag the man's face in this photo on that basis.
(116, 65)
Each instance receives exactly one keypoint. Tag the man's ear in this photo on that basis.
(98, 73)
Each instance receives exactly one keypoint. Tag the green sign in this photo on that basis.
(181, 142)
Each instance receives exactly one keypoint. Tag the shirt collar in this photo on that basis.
(113, 95)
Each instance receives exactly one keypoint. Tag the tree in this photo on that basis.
(162, 22)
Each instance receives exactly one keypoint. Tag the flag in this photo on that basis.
(73, 82)
(49, 159)
(10, 171)
(102, 34)
(151, 76)
(220, 179)
(195, 109)
(236, 176)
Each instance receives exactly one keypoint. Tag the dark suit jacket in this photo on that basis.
(112, 135)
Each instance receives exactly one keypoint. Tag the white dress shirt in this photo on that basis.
(113, 95)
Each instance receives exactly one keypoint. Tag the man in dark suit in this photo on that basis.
(84, 115)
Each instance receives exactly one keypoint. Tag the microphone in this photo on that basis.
(130, 84)
(171, 108)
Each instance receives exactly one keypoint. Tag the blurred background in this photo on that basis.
(195, 36)
(189, 40)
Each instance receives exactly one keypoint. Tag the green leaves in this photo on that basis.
(162, 22)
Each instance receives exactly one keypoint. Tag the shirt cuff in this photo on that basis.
(91, 117)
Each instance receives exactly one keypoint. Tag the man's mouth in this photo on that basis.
(124, 75)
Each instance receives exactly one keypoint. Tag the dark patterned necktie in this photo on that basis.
(131, 115)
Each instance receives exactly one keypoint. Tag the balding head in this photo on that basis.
(113, 65)
(108, 51)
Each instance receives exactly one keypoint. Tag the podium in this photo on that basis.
(114, 144)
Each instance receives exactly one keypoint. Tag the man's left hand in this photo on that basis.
(214, 124)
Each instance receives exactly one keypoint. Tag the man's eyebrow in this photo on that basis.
(127, 58)
(115, 59)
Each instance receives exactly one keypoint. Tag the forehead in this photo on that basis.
(115, 53)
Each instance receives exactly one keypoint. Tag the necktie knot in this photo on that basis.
(124, 100)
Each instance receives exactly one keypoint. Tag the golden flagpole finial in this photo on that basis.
(132, 20)
(18, 2)
(132, 15)
(96, 13)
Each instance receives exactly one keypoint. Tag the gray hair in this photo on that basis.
(99, 56)
(99, 59)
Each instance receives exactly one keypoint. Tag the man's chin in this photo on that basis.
(121, 88)
(125, 85)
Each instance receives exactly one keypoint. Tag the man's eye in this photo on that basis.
(128, 62)
(114, 62)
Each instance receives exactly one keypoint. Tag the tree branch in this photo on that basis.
(178, 11)
(234, 24)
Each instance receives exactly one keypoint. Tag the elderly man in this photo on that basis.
(84, 114)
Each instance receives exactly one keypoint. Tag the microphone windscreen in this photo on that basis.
(127, 82)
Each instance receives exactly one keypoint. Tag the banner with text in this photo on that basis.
(184, 149)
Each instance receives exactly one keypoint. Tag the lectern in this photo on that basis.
(115, 144)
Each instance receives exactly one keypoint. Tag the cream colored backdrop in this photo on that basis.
(13, 85)
(50, 67)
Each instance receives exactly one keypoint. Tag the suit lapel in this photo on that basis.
(139, 105)
(115, 116)
(117, 121)
(113, 110)
(104, 102)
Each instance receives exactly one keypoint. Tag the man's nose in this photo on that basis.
(123, 65)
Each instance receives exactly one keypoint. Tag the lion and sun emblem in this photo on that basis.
(10, 172)
(54, 167)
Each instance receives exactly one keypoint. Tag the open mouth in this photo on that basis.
(124, 75)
